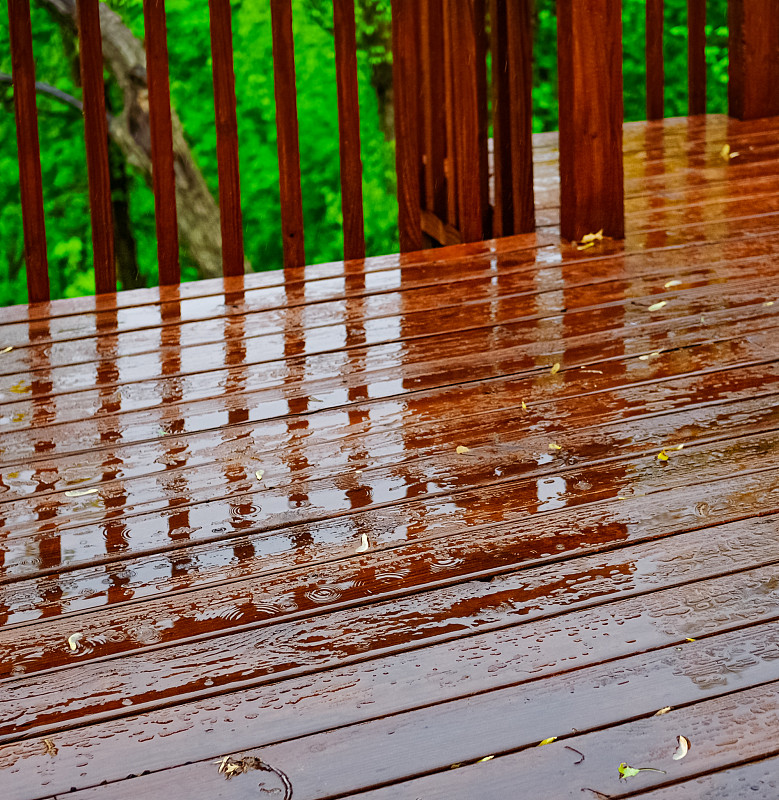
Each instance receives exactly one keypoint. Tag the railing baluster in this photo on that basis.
(96, 135)
(696, 56)
(591, 113)
(161, 141)
(466, 20)
(655, 70)
(30, 181)
(226, 137)
(433, 106)
(753, 87)
(450, 160)
(512, 43)
(349, 128)
(287, 134)
(405, 87)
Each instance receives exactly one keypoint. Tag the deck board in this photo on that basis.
(247, 438)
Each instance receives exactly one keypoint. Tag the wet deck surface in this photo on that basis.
(237, 523)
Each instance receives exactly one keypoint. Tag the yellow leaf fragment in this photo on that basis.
(455, 766)
(20, 388)
(554, 446)
(365, 544)
(657, 306)
(767, 303)
(524, 406)
(671, 284)
(662, 711)
(80, 492)
(6, 349)
(725, 152)
(547, 741)
(643, 358)
(486, 758)
(593, 237)
(74, 640)
(555, 368)
(51, 748)
(688, 639)
(662, 456)
(626, 771)
(462, 449)
(682, 748)
(259, 474)
(585, 246)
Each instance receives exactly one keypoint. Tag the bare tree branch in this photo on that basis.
(125, 57)
(51, 91)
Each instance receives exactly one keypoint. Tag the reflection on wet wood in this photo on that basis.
(235, 520)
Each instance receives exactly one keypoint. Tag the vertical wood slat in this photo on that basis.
(591, 170)
(349, 128)
(655, 70)
(433, 106)
(512, 65)
(287, 134)
(30, 180)
(96, 135)
(226, 137)
(163, 174)
(696, 56)
(404, 77)
(466, 20)
(450, 160)
(753, 86)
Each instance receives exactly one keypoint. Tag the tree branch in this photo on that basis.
(52, 91)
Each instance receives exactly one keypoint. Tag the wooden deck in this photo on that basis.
(238, 519)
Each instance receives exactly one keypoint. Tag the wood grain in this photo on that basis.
(753, 86)
(591, 172)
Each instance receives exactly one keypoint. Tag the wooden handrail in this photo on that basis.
(441, 90)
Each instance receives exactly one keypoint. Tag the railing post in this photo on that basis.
(30, 181)
(96, 135)
(753, 88)
(589, 36)
(230, 215)
(469, 73)
(405, 69)
(512, 81)
(163, 175)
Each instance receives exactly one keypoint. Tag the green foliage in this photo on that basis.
(62, 140)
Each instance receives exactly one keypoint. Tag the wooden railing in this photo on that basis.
(441, 90)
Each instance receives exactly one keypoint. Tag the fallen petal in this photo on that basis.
(657, 306)
(683, 747)
(461, 449)
(365, 544)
